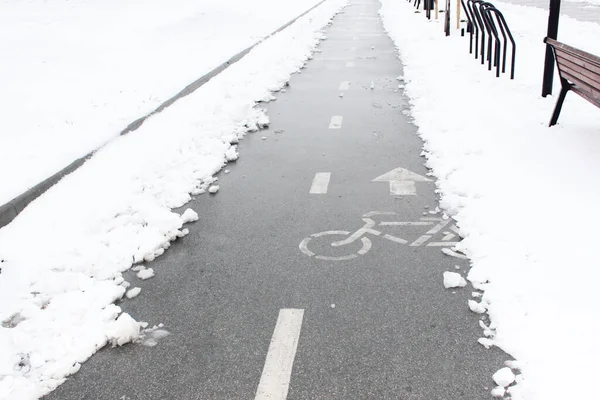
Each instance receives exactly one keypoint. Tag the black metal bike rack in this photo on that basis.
(484, 21)
(484, 18)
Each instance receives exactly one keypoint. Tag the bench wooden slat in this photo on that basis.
(580, 53)
(578, 61)
(577, 75)
(581, 86)
(594, 79)
(595, 102)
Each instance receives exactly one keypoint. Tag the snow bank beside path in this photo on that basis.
(525, 196)
(63, 256)
(74, 74)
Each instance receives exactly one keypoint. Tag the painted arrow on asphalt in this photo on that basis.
(402, 181)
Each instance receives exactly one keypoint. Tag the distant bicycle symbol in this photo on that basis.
(364, 243)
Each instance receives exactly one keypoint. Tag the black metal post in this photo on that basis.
(552, 34)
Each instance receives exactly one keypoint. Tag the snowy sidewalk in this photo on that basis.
(587, 11)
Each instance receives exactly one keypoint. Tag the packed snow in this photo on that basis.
(146, 273)
(504, 377)
(524, 196)
(453, 280)
(593, 3)
(63, 257)
(131, 293)
(189, 215)
(66, 94)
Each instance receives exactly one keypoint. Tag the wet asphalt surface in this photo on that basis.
(376, 326)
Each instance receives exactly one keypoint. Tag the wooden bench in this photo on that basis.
(579, 72)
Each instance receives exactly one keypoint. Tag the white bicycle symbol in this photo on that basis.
(360, 235)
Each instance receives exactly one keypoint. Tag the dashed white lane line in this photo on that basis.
(350, 64)
(275, 379)
(344, 85)
(336, 122)
(320, 183)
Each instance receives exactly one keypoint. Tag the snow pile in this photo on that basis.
(524, 195)
(189, 215)
(62, 258)
(124, 330)
(591, 3)
(453, 280)
(68, 94)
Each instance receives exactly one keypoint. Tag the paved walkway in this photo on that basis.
(581, 11)
(257, 300)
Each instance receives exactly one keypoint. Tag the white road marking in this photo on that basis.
(397, 223)
(420, 240)
(448, 237)
(401, 181)
(372, 213)
(350, 64)
(404, 188)
(345, 85)
(320, 183)
(438, 227)
(336, 122)
(275, 380)
(394, 239)
(441, 244)
(337, 58)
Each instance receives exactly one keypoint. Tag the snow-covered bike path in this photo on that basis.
(255, 310)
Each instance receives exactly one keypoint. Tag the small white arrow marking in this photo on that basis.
(402, 181)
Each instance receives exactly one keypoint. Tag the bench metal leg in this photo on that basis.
(561, 98)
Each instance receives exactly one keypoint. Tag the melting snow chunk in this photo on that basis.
(504, 377)
(498, 391)
(189, 216)
(453, 280)
(485, 342)
(231, 154)
(197, 191)
(477, 307)
(150, 337)
(133, 292)
(123, 330)
(372, 86)
(452, 253)
(145, 274)
(213, 189)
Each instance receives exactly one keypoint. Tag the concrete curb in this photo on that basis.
(10, 210)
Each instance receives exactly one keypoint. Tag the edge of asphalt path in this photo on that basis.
(10, 210)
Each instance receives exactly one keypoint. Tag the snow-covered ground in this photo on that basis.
(525, 196)
(592, 2)
(74, 74)
(61, 259)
